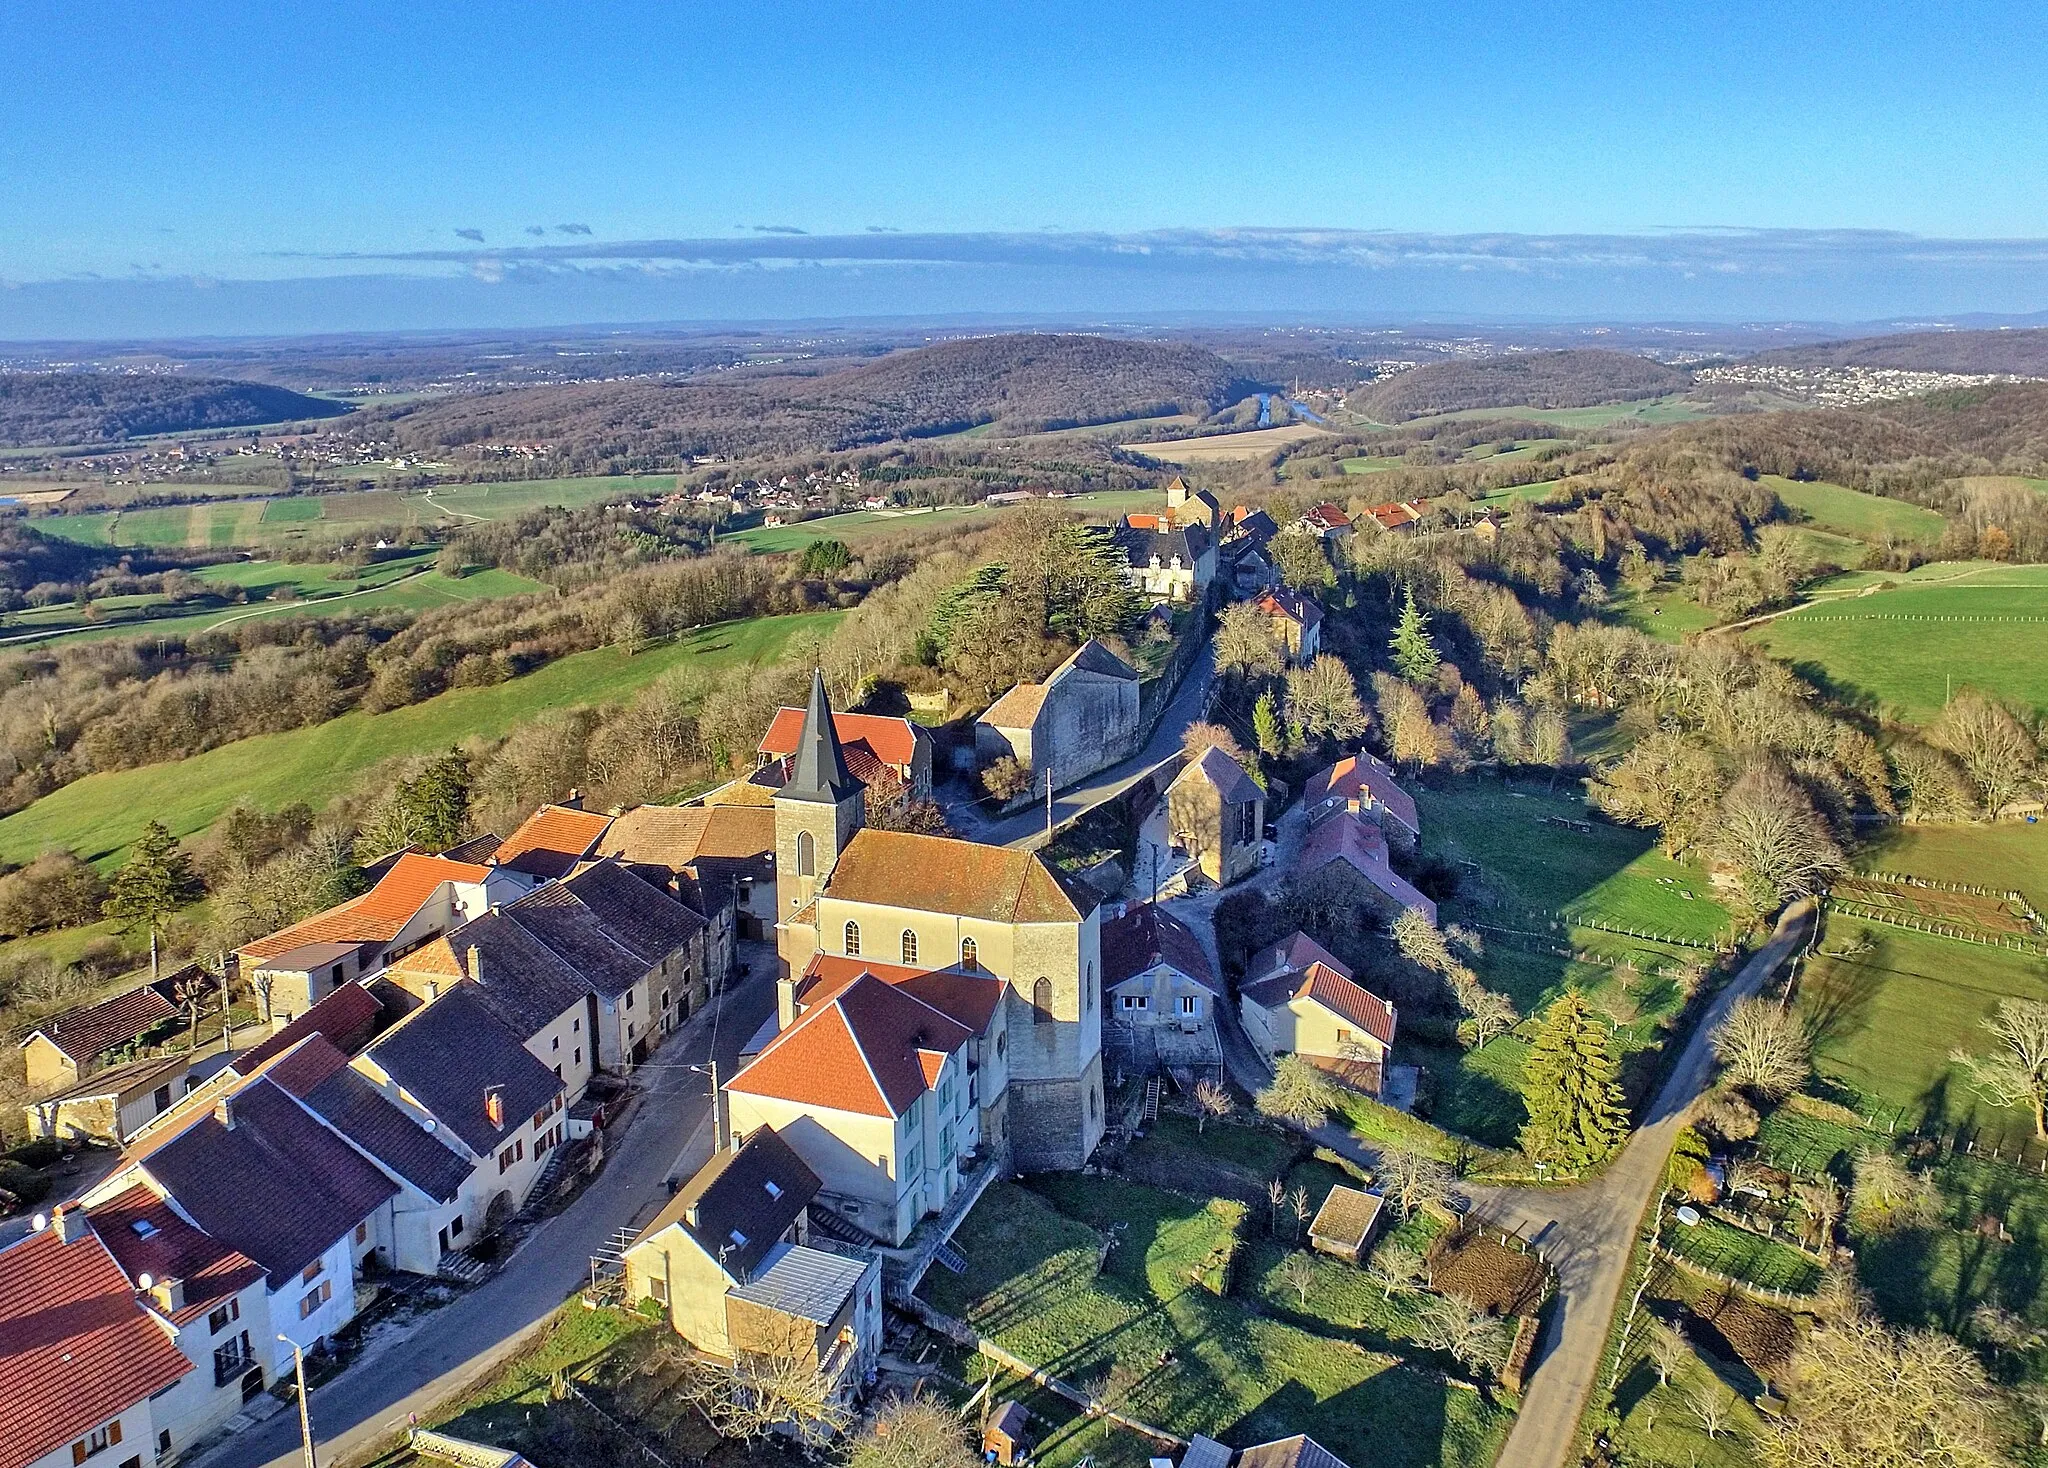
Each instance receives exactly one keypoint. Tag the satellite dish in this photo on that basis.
(40, 1222)
(145, 1280)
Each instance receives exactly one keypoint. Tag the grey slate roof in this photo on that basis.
(1299, 1451)
(756, 1190)
(524, 981)
(1139, 544)
(354, 1106)
(605, 924)
(818, 769)
(807, 1283)
(275, 1184)
(451, 1053)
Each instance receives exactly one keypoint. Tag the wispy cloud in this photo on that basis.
(572, 229)
(772, 228)
(537, 230)
(470, 234)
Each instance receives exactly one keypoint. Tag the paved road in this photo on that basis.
(1027, 827)
(669, 1132)
(1588, 1232)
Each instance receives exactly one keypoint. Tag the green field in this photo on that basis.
(1855, 514)
(1239, 1372)
(1672, 408)
(1369, 465)
(282, 520)
(98, 816)
(1904, 649)
(2010, 855)
(858, 525)
(1742, 1255)
(1664, 612)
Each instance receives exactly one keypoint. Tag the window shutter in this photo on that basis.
(78, 1451)
(114, 1433)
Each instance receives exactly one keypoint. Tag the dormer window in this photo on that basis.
(143, 1228)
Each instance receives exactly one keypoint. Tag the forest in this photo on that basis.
(2022, 353)
(106, 407)
(1573, 379)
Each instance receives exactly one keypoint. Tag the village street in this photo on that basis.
(669, 1134)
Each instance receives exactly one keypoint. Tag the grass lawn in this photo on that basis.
(98, 816)
(1369, 464)
(1672, 408)
(1663, 612)
(1936, 1276)
(1853, 513)
(1885, 1022)
(1743, 1255)
(2010, 855)
(574, 1344)
(1236, 1374)
(1477, 1093)
(858, 525)
(1900, 651)
(1658, 1424)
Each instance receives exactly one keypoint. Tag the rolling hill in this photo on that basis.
(106, 407)
(1573, 379)
(2020, 353)
(1018, 383)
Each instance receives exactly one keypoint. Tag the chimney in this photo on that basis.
(574, 802)
(224, 1112)
(785, 1001)
(494, 1106)
(69, 1223)
(476, 964)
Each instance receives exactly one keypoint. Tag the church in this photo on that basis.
(937, 904)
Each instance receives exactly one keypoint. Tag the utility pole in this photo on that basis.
(305, 1419)
(1048, 805)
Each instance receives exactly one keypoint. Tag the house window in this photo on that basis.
(163, 1443)
(555, 1044)
(629, 999)
(1137, 1001)
(363, 1232)
(579, 1055)
(852, 948)
(1041, 1002)
(968, 958)
(313, 1299)
(504, 1160)
(665, 1002)
(455, 1228)
(1189, 1004)
(1343, 1037)
(97, 1441)
(909, 946)
(657, 1289)
(313, 1271)
(806, 854)
(575, 1026)
(945, 1144)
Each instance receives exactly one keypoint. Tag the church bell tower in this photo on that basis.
(816, 814)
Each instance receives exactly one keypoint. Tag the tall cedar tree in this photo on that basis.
(1414, 654)
(432, 808)
(152, 884)
(1570, 1084)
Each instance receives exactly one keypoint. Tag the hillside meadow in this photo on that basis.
(1901, 645)
(1852, 513)
(98, 816)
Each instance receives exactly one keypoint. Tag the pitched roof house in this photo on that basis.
(1323, 1016)
(1216, 812)
(1353, 843)
(67, 1047)
(80, 1357)
(1294, 621)
(898, 745)
(1162, 559)
(1366, 785)
(1159, 992)
(550, 842)
(1325, 521)
(1082, 718)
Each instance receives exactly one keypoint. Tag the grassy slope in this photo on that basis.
(1664, 612)
(1906, 647)
(860, 525)
(1853, 513)
(98, 816)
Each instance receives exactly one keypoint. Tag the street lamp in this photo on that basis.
(305, 1417)
(718, 1141)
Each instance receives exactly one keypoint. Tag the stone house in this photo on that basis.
(114, 1104)
(1319, 1011)
(1165, 560)
(1217, 813)
(1157, 980)
(1356, 849)
(67, 1047)
(1295, 623)
(1186, 506)
(1364, 786)
(726, 851)
(1083, 718)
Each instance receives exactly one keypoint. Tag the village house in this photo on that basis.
(898, 745)
(112, 1105)
(937, 902)
(550, 843)
(1083, 718)
(731, 1264)
(1399, 514)
(1355, 848)
(1295, 623)
(1326, 522)
(1216, 813)
(66, 1048)
(1167, 561)
(83, 1361)
(415, 901)
(1161, 992)
(870, 1087)
(1299, 1451)
(1364, 786)
(727, 851)
(1299, 999)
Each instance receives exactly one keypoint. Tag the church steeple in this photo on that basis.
(818, 772)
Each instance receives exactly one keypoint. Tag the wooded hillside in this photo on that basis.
(1577, 379)
(2022, 353)
(1021, 384)
(105, 407)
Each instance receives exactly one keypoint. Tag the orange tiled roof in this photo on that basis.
(1325, 986)
(944, 874)
(166, 1247)
(893, 740)
(862, 1050)
(970, 999)
(377, 915)
(551, 840)
(75, 1348)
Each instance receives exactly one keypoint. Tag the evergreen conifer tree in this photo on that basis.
(1571, 1087)
(1266, 725)
(1414, 654)
(152, 884)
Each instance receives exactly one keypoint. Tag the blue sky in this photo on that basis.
(202, 147)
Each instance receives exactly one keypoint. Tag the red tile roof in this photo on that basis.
(84, 1033)
(1148, 935)
(971, 999)
(1359, 777)
(1292, 605)
(674, 836)
(1325, 986)
(146, 1236)
(552, 840)
(377, 915)
(1398, 513)
(893, 741)
(346, 1019)
(76, 1350)
(861, 1050)
(1328, 516)
(1360, 845)
(943, 874)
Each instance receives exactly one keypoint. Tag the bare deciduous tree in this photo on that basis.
(917, 1431)
(1775, 839)
(2017, 1073)
(1667, 1350)
(1212, 1103)
(1298, 1204)
(1411, 1180)
(1878, 1398)
(1394, 1267)
(780, 1389)
(1763, 1048)
(1299, 1093)
(1298, 1272)
(1994, 748)
(1421, 943)
(1244, 643)
(1323, 700)
(1821, 1198)
(1887, 1195)
(1668, 781)
(1710, 1402)
(1476, 1342)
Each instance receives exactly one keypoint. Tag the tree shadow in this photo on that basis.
(1395, 1418)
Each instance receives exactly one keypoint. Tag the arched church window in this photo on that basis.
(806, 854)
(852, 939)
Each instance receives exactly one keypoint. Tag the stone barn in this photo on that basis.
(1082, 718)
